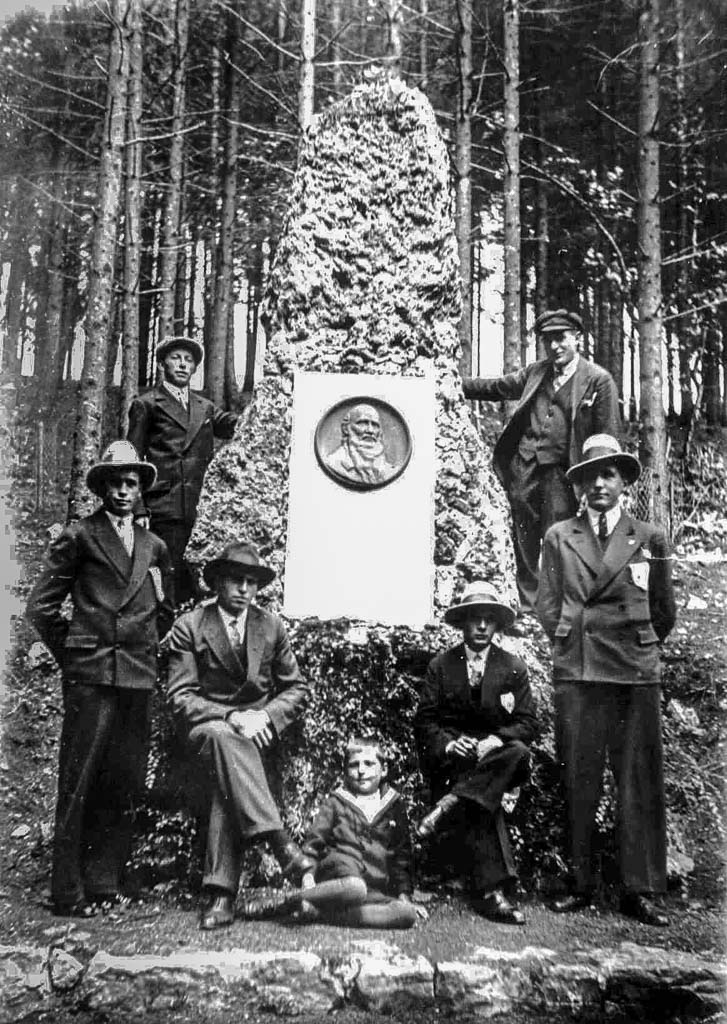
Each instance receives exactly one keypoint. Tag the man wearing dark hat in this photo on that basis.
(606, 601)
(474, 721)
(234, 687)
(117, 575)
(561, 401)
(174, 428)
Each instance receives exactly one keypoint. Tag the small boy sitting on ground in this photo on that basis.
(360, 843)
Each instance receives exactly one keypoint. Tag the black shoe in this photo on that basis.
(220, 914)
(575, 901)
(496, 907)
(637, 906)
(81, 908)
(293, 862)
(263, 906)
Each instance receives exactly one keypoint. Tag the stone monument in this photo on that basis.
(365, 281)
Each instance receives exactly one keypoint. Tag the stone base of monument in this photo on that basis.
(628, 983)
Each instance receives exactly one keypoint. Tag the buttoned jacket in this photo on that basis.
(120, 604)
(207, 680)
(447, 709)
(606, 611)
(180, 445)
(594, 407)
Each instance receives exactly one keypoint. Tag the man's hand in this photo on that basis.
(487, 744)
(463, 746)
(308, 880)
(143, 521)
(253, 725)
(421, 912)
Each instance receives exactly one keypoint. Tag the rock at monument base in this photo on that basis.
(24, 981)
(379, 977)
(285, 983)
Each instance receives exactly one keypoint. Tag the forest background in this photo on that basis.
(146, 156)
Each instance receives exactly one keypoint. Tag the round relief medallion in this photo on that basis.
(363, 443)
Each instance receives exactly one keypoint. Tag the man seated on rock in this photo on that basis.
(474, 721)
(234, 687)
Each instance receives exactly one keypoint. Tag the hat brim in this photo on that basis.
(191, 346)
(502, 612)
(225, 566)
(98, 473)
(628, 466)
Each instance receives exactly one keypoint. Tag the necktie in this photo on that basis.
(235, 637)
(126, 533)
(476, 676)
(602, 530)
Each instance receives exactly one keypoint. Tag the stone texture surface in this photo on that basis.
(630, 982)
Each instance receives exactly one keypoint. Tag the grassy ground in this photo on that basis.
(696, 677)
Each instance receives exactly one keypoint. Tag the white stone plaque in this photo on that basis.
(361, 508)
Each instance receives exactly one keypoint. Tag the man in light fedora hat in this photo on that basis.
(560, 401)
(473, 724)
(606, 601)
(234, 686)
(174, 428)
(118, 575)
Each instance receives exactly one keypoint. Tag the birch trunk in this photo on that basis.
(463, 170)
(511, 185)
(132, 221)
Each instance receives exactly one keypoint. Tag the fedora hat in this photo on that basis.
(557, 320)
(119, 455)
(479, 594)
(192, 346)
(238, 559)
(602, 448)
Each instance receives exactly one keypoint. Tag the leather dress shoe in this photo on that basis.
(268, 905)
(294, 863)
(496, 907)
(430, 822)
(220, 914)
(633, 904)
(81, 908)
(574, 901)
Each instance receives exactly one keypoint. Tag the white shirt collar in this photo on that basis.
(559, 379)
(612, 517)
(126, 520)
(228, 621)
(181, 394)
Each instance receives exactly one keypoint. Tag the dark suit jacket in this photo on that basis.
(446, 709)
(180, 446)
(118, 613)
(594, 407)
(606, 611)
(206, 678)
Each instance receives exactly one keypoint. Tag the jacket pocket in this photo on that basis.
(562, 629)
(88, 642)
(647, 636)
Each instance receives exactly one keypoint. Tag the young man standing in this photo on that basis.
(606, 601)
(117, 575)
(174, 428)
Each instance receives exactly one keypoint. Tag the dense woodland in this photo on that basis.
(148, 147)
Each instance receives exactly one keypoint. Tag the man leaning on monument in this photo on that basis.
(234, 687)
(606, 601)
(174, 428)
(562, 400)
(473, 725)
(117, 575)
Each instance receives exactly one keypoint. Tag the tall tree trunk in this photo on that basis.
(511, 184)
(336, 70)
(132, 221)
(687, 323)
(149, 226)
(653, 424)
(169, 250)
(463, 171)
(282, 25)
(710, 376)
(88, 434)
(423, 45)
(616, 327)
(394, 50)
(306, 91)
(217, 355)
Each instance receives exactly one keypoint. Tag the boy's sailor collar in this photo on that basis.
(387, 797)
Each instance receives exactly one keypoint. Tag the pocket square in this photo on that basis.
(640, 574)
(156, 578)
(508, 702)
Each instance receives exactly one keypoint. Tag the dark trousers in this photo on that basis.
(539, 496)
(241, 804)
(101, 772)
(176, 533)
(480, 816)
(625, 721)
